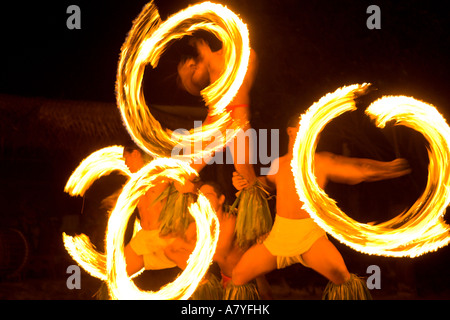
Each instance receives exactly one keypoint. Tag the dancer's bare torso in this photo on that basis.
(149, 210)
(288, 204)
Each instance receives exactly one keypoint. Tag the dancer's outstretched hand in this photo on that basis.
(398, 168)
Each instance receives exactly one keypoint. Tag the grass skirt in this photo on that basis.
(253, 215)
(175, 217)
(353, 289)
(246, 291)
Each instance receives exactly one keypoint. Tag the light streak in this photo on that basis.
(118, 282)
(96, 165)
(100, 163)
(86, 255)
(416, 231)
(111, 267)
(147, 40)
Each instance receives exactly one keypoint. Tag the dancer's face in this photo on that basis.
(211, 195)
(194, 75)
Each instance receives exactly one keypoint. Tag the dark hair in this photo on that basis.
(214, 43)
(184, 50)
(293, 120)
(130, 146)
(217, 187)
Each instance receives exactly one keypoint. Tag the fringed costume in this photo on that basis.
(289, 239)
(353, 289)
(253, 215)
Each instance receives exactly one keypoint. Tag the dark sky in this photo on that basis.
(306, 48)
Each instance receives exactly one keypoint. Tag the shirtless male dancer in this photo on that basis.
(197, 72)
(147, 248)
(295, 237)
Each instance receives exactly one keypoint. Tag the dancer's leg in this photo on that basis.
(324, 258)
(256, 261)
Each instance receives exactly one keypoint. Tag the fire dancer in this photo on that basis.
(200, 68)
(196, 71)
(147, 248)
(228, 253)
(295, 237)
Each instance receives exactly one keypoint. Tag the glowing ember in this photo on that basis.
(420, 229)
(147, 40)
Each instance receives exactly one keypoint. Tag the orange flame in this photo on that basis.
(419, 230)
(118, 282)
(147, 40)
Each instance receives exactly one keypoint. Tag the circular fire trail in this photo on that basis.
(111, 267)
(147, 40)
(412, 233)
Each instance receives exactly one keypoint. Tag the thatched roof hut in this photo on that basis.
(57, 125)
(74, 127)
